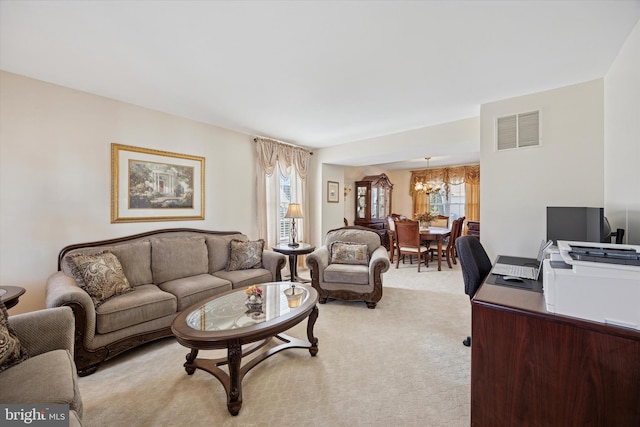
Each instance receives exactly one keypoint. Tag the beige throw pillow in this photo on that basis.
(244, 255)
(349, 253)
(11, 352)
(100, 275)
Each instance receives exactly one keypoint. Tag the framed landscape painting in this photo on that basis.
(153, 185)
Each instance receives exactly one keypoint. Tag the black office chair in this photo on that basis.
(475, 265)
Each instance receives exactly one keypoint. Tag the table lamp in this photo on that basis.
(294, 211)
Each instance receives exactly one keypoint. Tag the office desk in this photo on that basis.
(437, 234)
(534, 368)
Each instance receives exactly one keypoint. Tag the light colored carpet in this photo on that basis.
(401, 364)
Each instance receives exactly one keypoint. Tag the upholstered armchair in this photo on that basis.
(349, 266)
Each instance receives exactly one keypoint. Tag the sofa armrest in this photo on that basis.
(319, 258)
(379, 262)
(45, 330)
(379, 256)
(274, 262)
(62, 290)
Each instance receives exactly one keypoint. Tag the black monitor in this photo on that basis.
(580, 224)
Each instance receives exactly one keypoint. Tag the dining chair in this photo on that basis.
(408, 241)
(391, 231)
(440, 221)
(475, 265)
(449, 251)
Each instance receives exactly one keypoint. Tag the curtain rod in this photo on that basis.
(283, 143)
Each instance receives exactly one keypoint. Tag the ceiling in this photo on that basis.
(314, 73)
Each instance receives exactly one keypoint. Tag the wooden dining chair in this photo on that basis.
(391, 231)
(441, 221)
(408, 241)
(449, 251)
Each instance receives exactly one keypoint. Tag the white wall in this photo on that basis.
(458, 137)
(566, 170)
(55, 174)
(622, 139)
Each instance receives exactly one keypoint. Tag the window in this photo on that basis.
(454, 206)
(281, 191)
(284, 224)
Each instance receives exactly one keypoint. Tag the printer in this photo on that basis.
(594, 281)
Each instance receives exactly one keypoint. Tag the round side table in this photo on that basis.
(10, 295)
(293, 252)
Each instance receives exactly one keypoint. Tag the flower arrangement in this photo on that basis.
(426, 217)
(254, 293)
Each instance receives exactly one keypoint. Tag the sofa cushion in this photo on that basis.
(349, 253)
(345, 273)
(242, 278)
(100, 275)
(46, 378)
(145, 302)
(245, 254)
(219, 250)
(11, 351)
(190, 290)
(135, 258)
(177, 257)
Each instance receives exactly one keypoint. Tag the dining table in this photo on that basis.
(436, 234)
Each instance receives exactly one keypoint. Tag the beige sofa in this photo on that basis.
(169, 270)
(48, 376)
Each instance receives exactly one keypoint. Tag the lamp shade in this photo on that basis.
(294, 211)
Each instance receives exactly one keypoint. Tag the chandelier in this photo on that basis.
(426, 187)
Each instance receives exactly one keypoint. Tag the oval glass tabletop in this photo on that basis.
(230, 312)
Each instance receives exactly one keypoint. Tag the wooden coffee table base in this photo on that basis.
(232, 381)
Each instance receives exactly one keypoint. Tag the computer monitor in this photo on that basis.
(581, 224)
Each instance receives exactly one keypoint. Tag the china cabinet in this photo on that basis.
(373, 203)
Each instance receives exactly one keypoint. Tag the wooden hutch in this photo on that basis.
(373, 204)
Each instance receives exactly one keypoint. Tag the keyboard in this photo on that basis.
(514, 270)
(519, 271)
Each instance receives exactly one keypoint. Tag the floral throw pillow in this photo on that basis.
(11, 352)
(245, 254)
(349, 253)
(100, 275)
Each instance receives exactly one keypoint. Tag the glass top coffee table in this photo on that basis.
(225, 321)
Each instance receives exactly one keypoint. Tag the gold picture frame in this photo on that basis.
(154, 185)
(333, 189)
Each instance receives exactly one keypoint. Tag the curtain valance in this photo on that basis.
(468, 174)
(272, 153)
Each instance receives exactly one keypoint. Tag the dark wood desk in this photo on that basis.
(293, 252)
(534, 368)
(10, 295)
(437, 234)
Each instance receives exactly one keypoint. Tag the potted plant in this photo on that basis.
(425, 218)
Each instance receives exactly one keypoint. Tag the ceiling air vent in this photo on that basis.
(519, 130)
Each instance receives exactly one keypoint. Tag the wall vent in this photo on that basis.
(518, 130)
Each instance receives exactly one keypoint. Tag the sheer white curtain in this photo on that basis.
(276, 160)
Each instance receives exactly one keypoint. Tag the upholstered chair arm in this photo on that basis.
(319, 257)
(63, 290)
(274, 262)
(379, 257)
(45, 330)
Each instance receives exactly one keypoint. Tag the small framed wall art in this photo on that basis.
(154, 185)
(333, 192)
